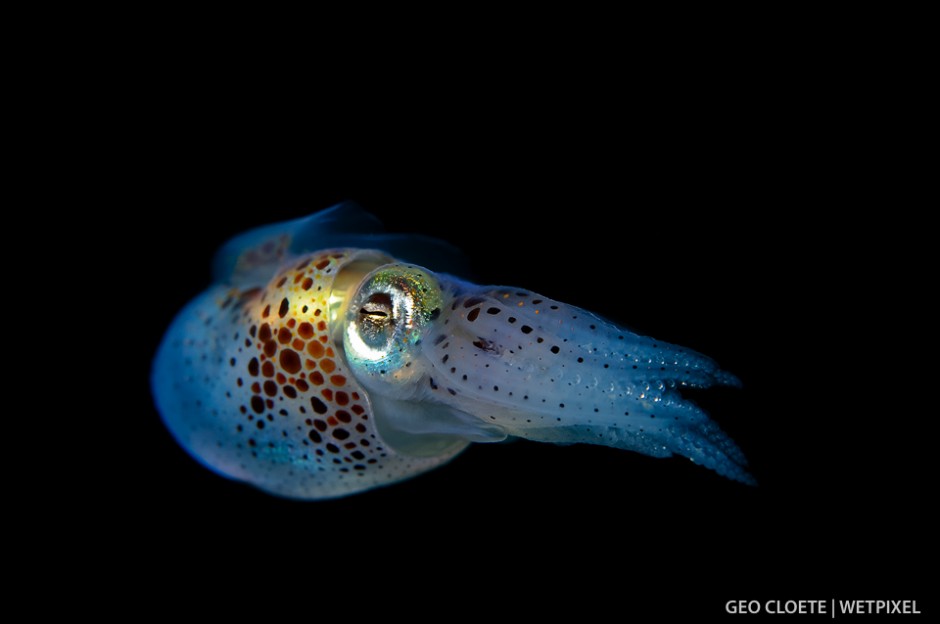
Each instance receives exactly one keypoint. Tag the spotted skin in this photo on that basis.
(557, 373)
(259, 392)
(314, 369)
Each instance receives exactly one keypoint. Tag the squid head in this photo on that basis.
(328, 360)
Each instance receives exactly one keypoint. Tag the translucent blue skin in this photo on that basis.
(440, 362)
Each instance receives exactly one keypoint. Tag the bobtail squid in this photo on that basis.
(329, 358)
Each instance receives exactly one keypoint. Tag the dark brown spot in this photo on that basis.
(343, 416)
(266, 311)
(253, 367)
(307, 283)
(314, 436)
(526, 329)
(485, 345)
(322, 264)
(290, 392)
(315, 349)
(285, 306)
(318, 406)
(270, 348)
(290, 361)
(281, 282)
(270, 388)
(474, 313)
(316, 378)
(493, 311)
(284, 335)
(305, 331)
(328, 366)
(267, 369)
(338, 380)
(264, 334)
(342, 399)
(257, 404)
(472, 301)
(302, 385)
(555, 349)
(327, 394)
(340, 434)
(357, 410)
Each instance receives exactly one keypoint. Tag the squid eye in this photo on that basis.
(387, 317)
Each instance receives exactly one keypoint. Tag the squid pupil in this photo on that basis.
(377, 307)
(376, 319)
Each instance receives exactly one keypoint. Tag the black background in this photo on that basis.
(726, 228)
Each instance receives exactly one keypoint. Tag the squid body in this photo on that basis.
(326, 361)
